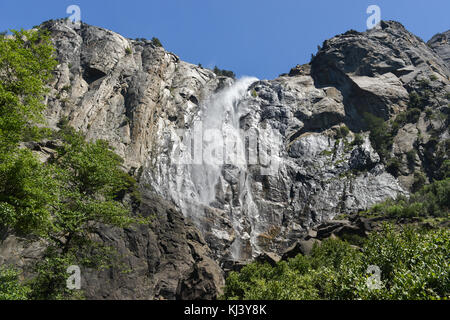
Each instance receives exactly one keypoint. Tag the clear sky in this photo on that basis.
(258, 38)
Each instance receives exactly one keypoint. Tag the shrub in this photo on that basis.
(358, 140)
(342, 132)
(413, 115)
(224, 73)
(415, 101)
(10, 286)
(413, 265)
(419, 181)
(380, 135)
(432, 200)
(393, 166)
(156, 42)
(411, 158)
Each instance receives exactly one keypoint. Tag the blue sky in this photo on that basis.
(258, 38)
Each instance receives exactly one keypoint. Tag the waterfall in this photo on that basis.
(221, 128)
(222, 141)
(213, 142)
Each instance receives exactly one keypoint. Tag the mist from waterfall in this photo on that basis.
(222, 132)
(215, 140)
(222, 141)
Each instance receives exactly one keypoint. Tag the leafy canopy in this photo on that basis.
(413, 265)
(26, 65)
(63, 199)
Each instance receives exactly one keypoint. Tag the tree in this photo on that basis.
(10, 286)
(413, 265)
(90, 182)
(26, 65)
(380, 135)
(63, 199)
(26, 192)
(90, 179)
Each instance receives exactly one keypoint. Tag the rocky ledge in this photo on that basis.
(138, 96)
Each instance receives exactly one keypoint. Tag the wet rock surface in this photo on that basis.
(138, 97)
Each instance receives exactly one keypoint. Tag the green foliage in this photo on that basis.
(437, 155)
(93, 166)
(79, 187)
(26, 64)
(51, 277)
(431, 200)
(415, 101)
(91, 185)
(358, 140)
(411, 157)
(393, 166)
(35, 133)
(128, 51)
(428, 113)
(413, 265)
(224, 73)
(342, 132)
(28, 193)
(61, 200)
(409, 116)
(156, 42)
(380, 135)
(10, 286)
(444, 170)
(419, 181)
(420, 100)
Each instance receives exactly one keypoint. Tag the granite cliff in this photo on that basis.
(300, 149)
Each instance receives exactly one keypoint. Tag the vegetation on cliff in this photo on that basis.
(413, 261)
(62, 199)
(413, 264)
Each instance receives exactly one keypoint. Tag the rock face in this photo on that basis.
(122, 90)
(169, 260)
(292, 168)
(440, 43)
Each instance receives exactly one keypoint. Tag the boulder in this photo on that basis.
(205, 282)
(303, 247)
(269, 257)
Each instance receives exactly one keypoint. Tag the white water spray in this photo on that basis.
(214, 144)
(223, 113)
(222, 142)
